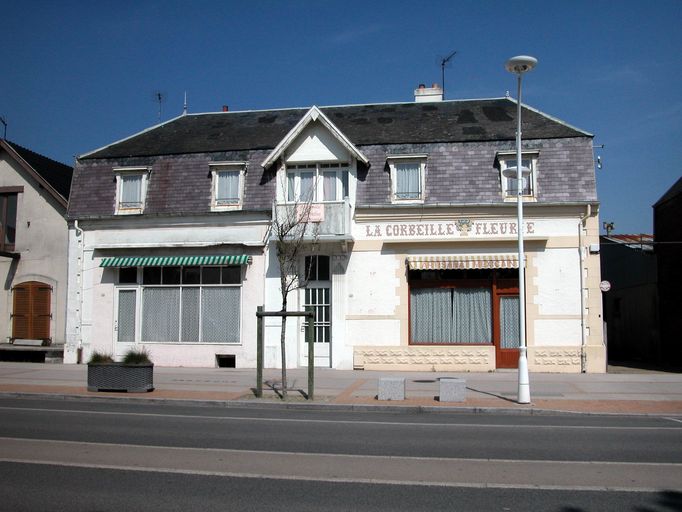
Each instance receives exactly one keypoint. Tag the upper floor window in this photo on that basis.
(8, 220)
(510, 185)
(227, 185)
(407, 178)
(317, 182)
(131, 189)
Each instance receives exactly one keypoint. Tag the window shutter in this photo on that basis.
(22, 311)
(31, 316)
(41, 312)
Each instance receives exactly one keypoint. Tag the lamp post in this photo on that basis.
(519, 65)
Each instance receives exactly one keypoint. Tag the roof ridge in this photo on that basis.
(249, 111)
(15, 146)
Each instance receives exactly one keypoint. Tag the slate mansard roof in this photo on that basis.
(390, 123)
(461, 139)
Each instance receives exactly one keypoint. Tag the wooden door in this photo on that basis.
(31, 311)
(506, 324)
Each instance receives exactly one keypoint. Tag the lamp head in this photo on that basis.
(511, 172)
(520, 64)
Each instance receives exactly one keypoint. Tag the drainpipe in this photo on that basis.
(79, 291)
(583, 355)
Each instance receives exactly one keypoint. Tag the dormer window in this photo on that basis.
(317, 182)
(227, 185)
(407, 178)
(131, 189)
(510, 185)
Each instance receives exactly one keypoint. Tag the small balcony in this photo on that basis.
(330, 220)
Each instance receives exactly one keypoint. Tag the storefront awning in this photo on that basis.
(161, 261)
(463, 261)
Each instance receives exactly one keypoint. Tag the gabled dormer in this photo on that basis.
(317, 165)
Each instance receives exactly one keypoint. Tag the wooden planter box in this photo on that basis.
(133, 378)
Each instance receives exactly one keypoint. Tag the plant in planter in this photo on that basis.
(135, 374)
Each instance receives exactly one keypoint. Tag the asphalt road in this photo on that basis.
(79, 455)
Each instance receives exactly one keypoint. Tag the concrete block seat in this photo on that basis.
(391, 388)
(452, 389)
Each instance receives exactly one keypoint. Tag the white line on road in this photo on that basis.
(368, 481)
(361, 422)
(674, 419)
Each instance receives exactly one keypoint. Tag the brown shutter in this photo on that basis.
(41, 312)
(22, 311)
(31, 316)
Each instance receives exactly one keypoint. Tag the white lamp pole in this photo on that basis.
(519, 65)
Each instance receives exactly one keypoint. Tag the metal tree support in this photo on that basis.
(309, 336)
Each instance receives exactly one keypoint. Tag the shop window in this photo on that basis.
(183, 304)
(459, 315)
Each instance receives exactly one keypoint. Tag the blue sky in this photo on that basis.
(78, 75)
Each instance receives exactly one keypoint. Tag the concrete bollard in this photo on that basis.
(452, 389)
(391, 388)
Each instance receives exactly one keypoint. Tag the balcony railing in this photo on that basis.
(328, 220)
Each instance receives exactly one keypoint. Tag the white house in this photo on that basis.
(412, 257)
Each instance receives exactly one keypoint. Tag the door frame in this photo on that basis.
(504, 357)
(121, 347)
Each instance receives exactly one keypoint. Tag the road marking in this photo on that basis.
(350, 422)
(369, 481)
(674, 419)
(228, 451)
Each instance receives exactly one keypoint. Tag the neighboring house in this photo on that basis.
(414, 263)
(668, 236)
(34, 191)
(628, 263)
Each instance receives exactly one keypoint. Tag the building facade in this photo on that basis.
(33, 246)
(409, 253)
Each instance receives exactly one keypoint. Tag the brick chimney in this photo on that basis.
(423, 94)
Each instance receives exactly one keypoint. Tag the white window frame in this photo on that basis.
(139, 288)
(318, 169)
(122, 172)
(393, 162)
(509, 159)
(216, 168)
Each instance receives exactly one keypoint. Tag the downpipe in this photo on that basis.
(583, 339)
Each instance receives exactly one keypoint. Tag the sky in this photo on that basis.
(78, 75)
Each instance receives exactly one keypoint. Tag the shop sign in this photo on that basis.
(458, 228)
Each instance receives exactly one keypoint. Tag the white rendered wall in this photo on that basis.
(42, 241)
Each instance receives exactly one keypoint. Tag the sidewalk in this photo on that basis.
(654, 393)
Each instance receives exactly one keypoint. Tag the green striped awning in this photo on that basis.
(176, 261)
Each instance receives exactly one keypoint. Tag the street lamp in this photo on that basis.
(519, 65)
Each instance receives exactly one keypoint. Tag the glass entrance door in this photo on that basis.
(319, 298)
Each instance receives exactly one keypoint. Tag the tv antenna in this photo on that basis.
(159, 97)
(4, 123)
(445, 61)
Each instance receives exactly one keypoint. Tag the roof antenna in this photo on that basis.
(444, 62)
(2, 120)
(184, 107)
(159, 97)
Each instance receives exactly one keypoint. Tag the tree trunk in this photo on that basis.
(282, 341)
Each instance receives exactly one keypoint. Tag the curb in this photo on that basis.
(327, 407)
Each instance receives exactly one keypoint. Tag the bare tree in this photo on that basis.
(293, 227)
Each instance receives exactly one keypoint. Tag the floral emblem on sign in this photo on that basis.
(463, 226)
